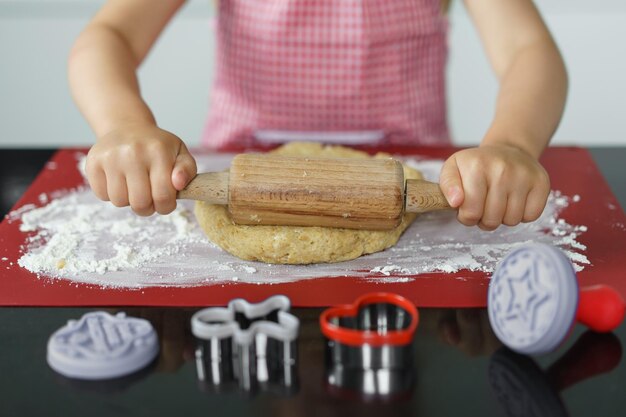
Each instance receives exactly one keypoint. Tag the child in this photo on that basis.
(342, 70)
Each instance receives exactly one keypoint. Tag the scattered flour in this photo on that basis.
(78, 234)
(388, 269)
(16, 214)
(77, 237)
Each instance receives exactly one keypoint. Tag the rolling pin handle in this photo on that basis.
(423, 196)
(211, 187)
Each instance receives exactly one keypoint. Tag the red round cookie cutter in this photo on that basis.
(352, 337)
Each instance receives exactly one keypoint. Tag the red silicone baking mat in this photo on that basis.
(572, 171)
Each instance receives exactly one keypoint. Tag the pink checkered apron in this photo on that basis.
(338, 71)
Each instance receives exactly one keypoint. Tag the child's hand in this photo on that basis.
(495, 184)
(142, 166)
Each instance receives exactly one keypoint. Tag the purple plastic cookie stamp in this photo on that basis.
(102, 346)
(248, 345)
(534, 300)
(533, 297)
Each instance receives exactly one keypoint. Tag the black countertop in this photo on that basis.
(460, 367)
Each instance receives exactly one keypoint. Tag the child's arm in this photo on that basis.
(133, 161)
(501, 181)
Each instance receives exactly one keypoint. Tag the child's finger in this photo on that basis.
(451, 184)
(97, 181)
(495, 208)
(535, 203)
(163, 192)
(515, 208)
(184, 168)
(475, 190)
(116, 189)
(139, 193)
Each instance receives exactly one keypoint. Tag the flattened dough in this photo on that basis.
(293, 244)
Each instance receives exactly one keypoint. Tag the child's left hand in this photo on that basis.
(495, 184)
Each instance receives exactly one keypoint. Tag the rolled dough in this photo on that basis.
(293, 244)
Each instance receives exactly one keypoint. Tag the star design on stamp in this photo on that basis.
(527, 296)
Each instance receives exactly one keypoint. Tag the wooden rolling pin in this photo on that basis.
(264, 189)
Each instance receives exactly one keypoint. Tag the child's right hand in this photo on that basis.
(142, 166)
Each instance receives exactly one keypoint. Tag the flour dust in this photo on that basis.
(72, 235)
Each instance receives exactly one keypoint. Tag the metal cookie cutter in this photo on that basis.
(252, 344)
(369, 349)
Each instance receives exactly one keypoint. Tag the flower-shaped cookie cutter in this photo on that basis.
(248, 343)
(369, 347)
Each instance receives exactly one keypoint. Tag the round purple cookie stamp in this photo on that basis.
(533, 298)
(102, 346)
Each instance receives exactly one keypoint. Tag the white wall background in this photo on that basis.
(36, 108)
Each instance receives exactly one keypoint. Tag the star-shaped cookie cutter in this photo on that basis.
(249, 343)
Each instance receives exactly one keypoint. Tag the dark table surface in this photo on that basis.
(459, 366)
